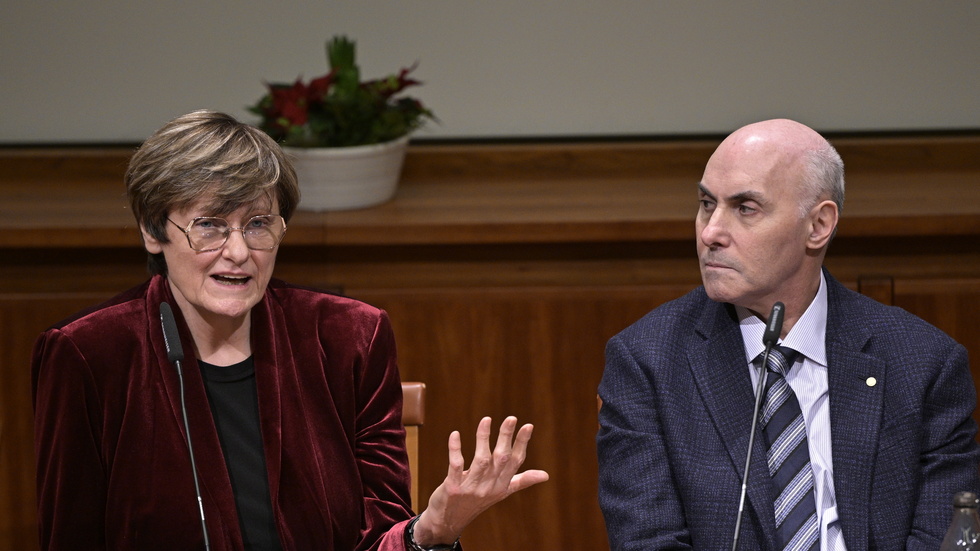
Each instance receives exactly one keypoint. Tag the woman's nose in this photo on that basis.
(235, 247)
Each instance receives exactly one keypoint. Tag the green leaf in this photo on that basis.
(349, 112)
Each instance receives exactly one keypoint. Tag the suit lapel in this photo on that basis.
(719, 369)
(856, 383)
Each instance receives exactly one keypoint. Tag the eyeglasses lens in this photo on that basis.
(260, 232)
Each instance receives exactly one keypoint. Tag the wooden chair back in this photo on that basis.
(413, 416)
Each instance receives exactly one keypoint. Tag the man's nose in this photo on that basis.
(715, 231)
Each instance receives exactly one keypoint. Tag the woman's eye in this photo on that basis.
(210, 224)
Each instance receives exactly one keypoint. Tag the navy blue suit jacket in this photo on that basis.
(677, 409)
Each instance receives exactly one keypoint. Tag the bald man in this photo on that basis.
(866, 431)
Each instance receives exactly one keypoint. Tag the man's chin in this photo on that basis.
(720, 293)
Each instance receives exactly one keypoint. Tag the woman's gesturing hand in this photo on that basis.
(492, 476)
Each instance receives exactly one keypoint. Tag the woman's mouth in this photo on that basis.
(231, 280)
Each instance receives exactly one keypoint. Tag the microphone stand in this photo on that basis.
(175, 353)
(773, 329)
(748, 456)
(190, 449)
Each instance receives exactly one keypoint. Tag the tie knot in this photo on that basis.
(780, 359)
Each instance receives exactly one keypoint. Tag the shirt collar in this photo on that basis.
(808, 335)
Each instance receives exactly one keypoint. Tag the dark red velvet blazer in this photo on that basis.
(112, 465)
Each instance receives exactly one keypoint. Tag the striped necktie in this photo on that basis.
(788, 457)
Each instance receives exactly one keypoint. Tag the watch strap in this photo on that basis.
(414, 546)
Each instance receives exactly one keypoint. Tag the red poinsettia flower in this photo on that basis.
(338, 109)
(289, 104)
(319, 87)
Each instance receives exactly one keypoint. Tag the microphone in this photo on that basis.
(175, 355)
(774, 327)
(175, 352)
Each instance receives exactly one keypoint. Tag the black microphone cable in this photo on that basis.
(175, 354)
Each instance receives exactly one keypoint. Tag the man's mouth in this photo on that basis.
(715, 264)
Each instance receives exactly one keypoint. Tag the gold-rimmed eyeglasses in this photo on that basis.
(208, 233)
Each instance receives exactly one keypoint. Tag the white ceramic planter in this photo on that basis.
(342, 178)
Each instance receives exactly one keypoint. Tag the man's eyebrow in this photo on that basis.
(747, 196)
(739, 197)
(705, 191)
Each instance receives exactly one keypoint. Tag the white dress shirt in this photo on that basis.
(808, 379)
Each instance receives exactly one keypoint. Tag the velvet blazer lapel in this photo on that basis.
(215, 482)
(717, 360)
(269, 350)
(278, 360)
(275, 365)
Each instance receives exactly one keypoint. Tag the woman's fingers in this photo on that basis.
(521, 441)
(499, 467)
(505, 437)
(508, 455)
(491, 478)
(526, 479)
(456, 461)
(483, 438)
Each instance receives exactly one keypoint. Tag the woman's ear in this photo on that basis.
(150, 243)
(823, 222)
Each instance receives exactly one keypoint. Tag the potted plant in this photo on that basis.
(347, 137)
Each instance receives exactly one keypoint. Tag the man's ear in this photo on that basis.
(150, 243)
(823, 222)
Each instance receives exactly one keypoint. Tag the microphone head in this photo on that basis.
(774, 327)
(171, 339)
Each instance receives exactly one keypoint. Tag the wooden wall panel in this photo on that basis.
(505, 268)
(22, 318)
(534, 353)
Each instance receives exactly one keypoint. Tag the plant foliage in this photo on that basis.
(338, 109)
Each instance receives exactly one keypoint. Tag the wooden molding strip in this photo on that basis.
(514, 193)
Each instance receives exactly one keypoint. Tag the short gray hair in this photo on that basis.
(205, 154)
(823, 177)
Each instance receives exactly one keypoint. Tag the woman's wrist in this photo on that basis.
(419, 538)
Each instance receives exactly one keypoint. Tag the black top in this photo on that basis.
(234, 405)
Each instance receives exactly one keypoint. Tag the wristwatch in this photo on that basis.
(414, 546)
